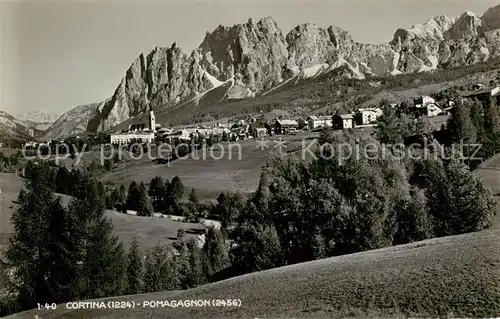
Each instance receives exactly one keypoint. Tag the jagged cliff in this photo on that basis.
(254, 57)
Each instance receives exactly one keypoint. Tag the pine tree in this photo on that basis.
(184, 266)
(133, 197)
(157, 192)
(41, 253)
(161, 272)
(134, 269)
(122, 195)
(477, 118)
(414, 223)
(388, 130)
(144, 207)
(424, 127)
(460, 124)
(173, 196)
(457, 200)
(261, 198)
(197, 275)
(62, 179)
(491, 118)
(259, 248)
(194, 203)
(177, 188)
(101, 266)
(215, 251)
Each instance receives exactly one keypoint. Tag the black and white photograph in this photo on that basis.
(249, 159)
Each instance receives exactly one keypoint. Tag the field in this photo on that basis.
(209, 176)
(237, 170)
(10, 185)
(455, 276)
(148, 231)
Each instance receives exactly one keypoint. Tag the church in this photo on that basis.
(138, 132)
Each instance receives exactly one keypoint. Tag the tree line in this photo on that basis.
(61, 253)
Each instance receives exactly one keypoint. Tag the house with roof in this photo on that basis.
(342, 121)
(365, 116)
(423, 101)
(314, 121)
(485, 95)
(426, 106)
(285, 126)
(260, 132)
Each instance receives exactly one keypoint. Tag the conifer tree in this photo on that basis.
(157, 192)
(177, 188)
(144, 206)
(102, 260)
(215, 251)
(460, 124)
(133, 197)
(197, 275)
(161, 272)
(41, 254)
(194, 203)
(134, 269)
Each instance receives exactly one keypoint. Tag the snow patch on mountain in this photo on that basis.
(213, 80)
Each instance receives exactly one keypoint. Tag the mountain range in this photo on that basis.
(248, 60)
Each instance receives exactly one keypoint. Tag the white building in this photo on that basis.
(137, 132)
(127, 137)
(423, 101)
(181, 135)
(314, 121)
(370, 115)
(343, 121)
(261, 131)
(433, 110)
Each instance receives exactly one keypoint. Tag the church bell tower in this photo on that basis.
(152, 120)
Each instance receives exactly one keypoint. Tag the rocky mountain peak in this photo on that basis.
(491, 19)
(244, 59)
(249, 53)
(465, 26)
(433, 29)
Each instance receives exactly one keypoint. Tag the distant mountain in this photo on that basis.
(70, 123)
(38, 120)
(38, 116)
(13, 128)
(247, 60)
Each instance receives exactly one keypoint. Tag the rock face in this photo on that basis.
(253, 54)
(70, 123)
(12, 128)
(254, 57)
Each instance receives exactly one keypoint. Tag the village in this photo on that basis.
(253, 127)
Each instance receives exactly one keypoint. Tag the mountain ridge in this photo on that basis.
(257, 57)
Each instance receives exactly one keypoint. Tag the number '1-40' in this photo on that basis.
(47, 306)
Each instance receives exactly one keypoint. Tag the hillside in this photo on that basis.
(40, 120)
(12, 128)
(148, 231)
(457, 276)
(71, 123)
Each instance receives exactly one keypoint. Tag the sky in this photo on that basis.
(59, 54)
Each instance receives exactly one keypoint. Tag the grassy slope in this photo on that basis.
(457, 275)
(149, 231)
(208, 176)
